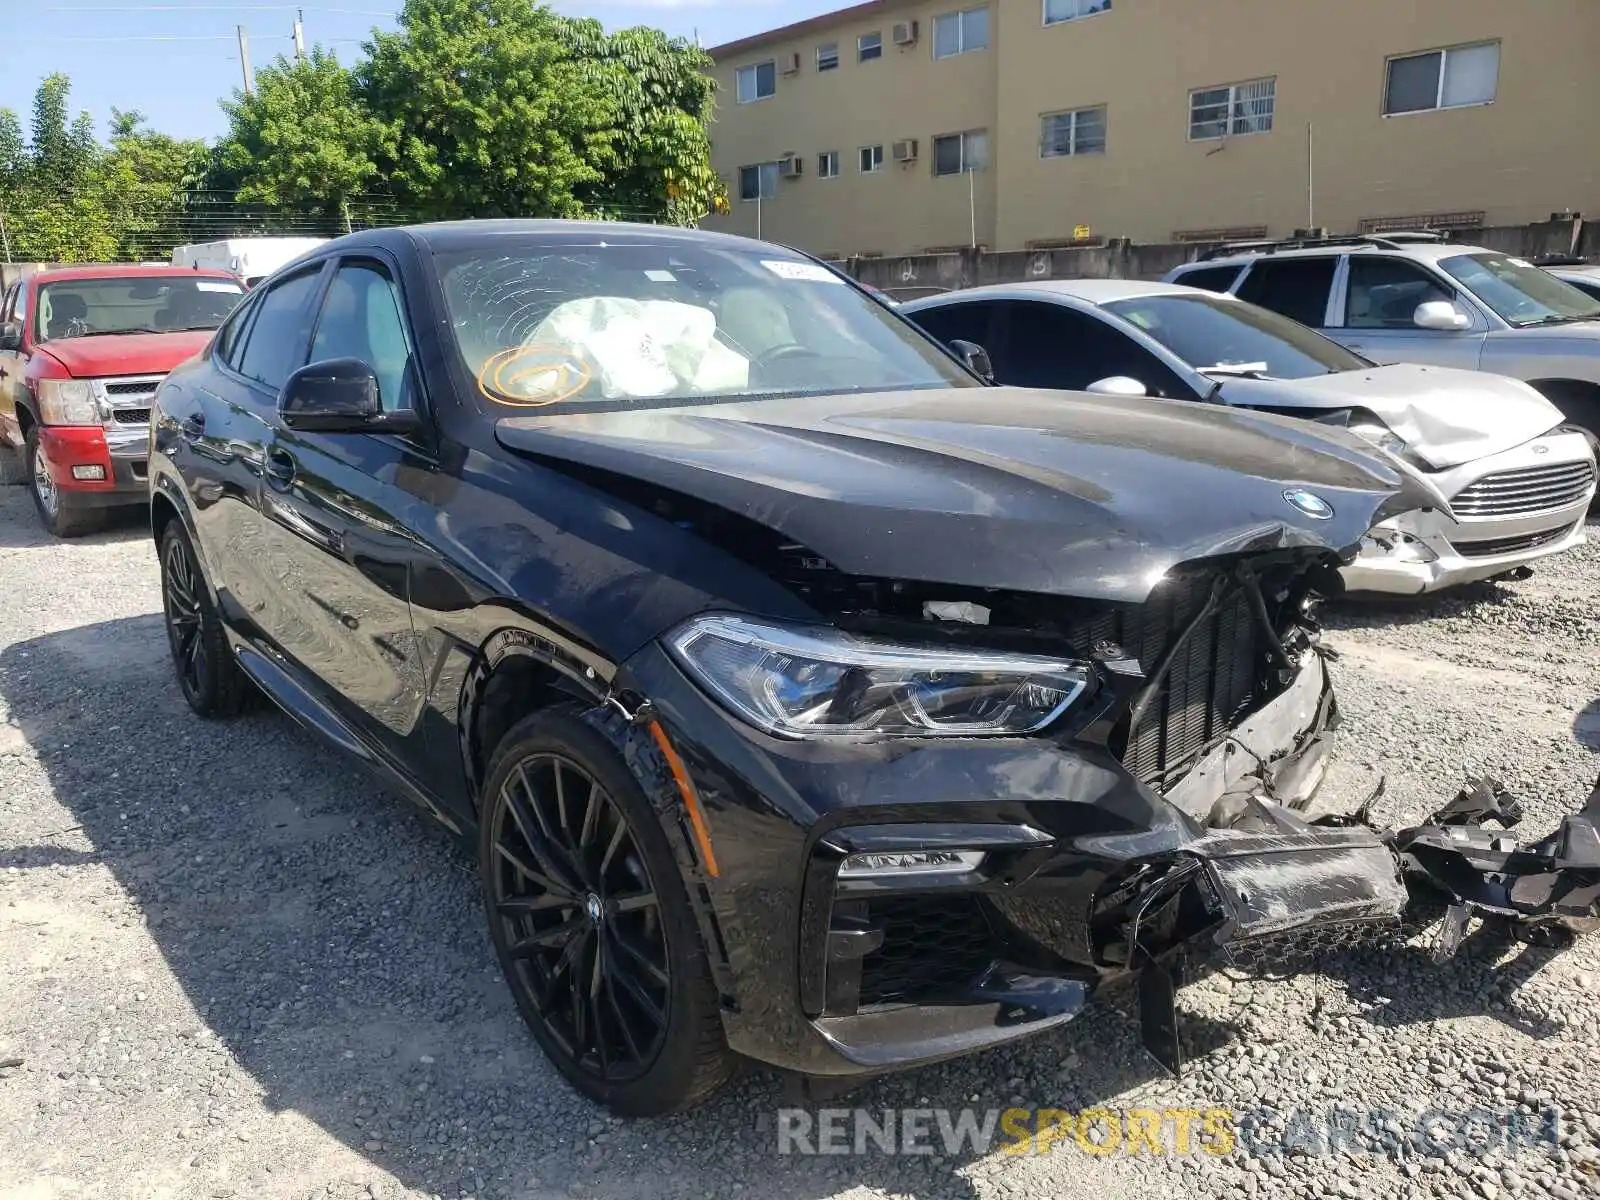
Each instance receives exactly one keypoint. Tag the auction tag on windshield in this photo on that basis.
(207, 285)
(1519, 262)
(661, 276)
(809, 272)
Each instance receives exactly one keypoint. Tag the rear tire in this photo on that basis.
(208, 675)
(54, 513)
(592, 924)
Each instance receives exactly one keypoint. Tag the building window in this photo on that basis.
(960, 32)
(1232, 110)
(1073, 133)
(828, 56)
(958, 153)
(1457, 78)
(759, 181)
(1056, 11)
(828, 164)
(756, 82)
(869, 46)
(871, 159)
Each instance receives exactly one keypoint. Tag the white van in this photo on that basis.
(251, 259)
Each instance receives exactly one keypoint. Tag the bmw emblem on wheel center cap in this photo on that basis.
(593, 908)
(1308, 503)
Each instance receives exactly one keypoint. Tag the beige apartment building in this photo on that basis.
(898, 126)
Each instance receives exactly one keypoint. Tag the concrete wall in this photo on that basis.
(1529, 153)
(918, 274)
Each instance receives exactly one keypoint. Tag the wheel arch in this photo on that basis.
(516, 672)
(1578, 399)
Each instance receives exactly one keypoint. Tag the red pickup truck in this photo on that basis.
(82, 351)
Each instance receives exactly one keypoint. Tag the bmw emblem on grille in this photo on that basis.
(1308, 503)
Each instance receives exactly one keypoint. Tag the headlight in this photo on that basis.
(812, 681)
(1383, 438)
(67, 402)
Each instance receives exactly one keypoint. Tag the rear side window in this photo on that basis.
(968, 322)
(228, 342)
(276, 343)
(1296, 287)
(1385, 292)
(1212, 279)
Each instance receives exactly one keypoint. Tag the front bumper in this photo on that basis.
(1088, 877)
(1425, 551)
(118, 455)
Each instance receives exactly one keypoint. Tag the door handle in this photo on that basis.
(194, 426)
(280, 468)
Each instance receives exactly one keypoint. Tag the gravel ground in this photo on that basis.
(231, 966)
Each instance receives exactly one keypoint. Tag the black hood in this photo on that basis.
(1051, 492)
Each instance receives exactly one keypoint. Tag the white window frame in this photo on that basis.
(1072, 150)
(755, 81)
(764, 172)
(862, 47)
(1083, 7)
(1444, 53)
(828, 158)
(959, 17)
(967, 166)
(878, 159)
(834, 46)
(1233, 116)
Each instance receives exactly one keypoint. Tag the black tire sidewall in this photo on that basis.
(206, 700)
(669, 1083)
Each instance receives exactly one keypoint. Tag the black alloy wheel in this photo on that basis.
(592, 925)
(212, 682)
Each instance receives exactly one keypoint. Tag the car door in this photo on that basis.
(14, 310)
(335, 509)
(1381, 296)
(221, 420)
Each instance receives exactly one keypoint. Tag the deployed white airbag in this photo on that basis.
(643, 348)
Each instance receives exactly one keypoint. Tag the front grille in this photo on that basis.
(1491, 547)
(932, 946)
(1529, 490)
(131, 389)
(130, 416)
(1215, 681)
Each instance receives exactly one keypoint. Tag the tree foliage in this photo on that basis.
(470, 108)
(303, 139)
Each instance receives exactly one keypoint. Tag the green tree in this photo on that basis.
(492, 114)
(304, 140)
(145, 178)
(660, 152)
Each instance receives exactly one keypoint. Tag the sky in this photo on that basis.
(173, 60)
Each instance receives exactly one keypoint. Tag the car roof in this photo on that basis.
(447, 236)
(1086, 291)
(126, 271)
(1425, 251)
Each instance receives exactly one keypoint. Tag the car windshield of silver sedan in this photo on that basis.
(1220, 336)
(133, 304)
(660, 323)
(1521, 293)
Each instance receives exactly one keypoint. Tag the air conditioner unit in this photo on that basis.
(789, 166)
(791, 63)
(905, 33)
(905, 150)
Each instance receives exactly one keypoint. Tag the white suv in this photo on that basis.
(1417, 298)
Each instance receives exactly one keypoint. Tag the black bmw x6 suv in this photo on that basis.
(807, 699)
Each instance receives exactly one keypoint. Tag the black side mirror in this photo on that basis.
(339, 395)
(975, 357)
(10, 336)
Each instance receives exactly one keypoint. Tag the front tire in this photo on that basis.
(54, 514)
(209, 677)
(591, 922)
